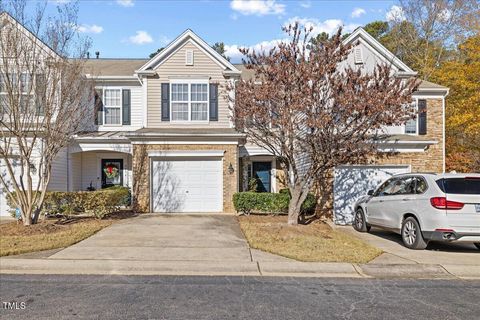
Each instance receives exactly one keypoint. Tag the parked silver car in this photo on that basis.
(424, 207)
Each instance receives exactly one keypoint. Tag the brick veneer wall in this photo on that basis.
(141, 172)
(432, 159)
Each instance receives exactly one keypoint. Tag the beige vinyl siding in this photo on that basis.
(175, 67)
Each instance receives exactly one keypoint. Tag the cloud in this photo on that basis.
(357, 12)
(329, 26)
(126, 3)
(85, 28)
(257, 7)
(141, 37)
(395, 14)
(59, 1)
(235, 55)
(305, 4)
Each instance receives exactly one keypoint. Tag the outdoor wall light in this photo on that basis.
(231, 170)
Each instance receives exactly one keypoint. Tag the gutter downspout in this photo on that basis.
(443, 131)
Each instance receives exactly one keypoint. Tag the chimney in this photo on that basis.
(97, 54)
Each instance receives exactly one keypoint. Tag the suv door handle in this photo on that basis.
(405, 199)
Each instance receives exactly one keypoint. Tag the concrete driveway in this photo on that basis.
(165, 238)
(436, 253)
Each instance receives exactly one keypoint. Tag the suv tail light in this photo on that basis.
(443, 203)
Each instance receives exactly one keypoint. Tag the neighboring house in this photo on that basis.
(164, 125)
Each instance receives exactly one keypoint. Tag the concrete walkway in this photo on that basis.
(212, 245)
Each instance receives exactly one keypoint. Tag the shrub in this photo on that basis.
(97, 203)
(273, 203)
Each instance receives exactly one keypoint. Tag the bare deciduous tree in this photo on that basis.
(44, 98)
(313, 111)
(424, 31)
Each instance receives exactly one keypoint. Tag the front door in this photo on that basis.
(112, 172)
(262, 173)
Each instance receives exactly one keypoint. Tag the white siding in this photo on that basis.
(59, 178)
(136, 115)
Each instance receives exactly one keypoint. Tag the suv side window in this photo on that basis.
(387, 188)
(420, 185)
(404, 185)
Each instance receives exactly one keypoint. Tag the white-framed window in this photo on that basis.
(112, 106)
(411, 126)
(21, 86)
(189, 100)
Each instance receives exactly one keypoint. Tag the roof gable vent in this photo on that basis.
(358, 55)
(189, 57)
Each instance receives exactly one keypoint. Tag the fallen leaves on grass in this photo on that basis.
(16, 238)
(313, 242)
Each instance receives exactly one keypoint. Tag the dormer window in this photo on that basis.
(358, 55)
(189, 57)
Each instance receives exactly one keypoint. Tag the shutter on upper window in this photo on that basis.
(213, 105)
(126, 106)
(358, 56)
(40, 93)
(189, 57)
(165, 102)
(98, 106)
(422, 116)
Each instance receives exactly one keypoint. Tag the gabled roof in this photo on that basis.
(181, 39)
(379, 49)
(5, 16)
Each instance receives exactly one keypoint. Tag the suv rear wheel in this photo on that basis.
(412, 234)
(359, 222)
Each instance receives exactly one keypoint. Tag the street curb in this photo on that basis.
(237, 268)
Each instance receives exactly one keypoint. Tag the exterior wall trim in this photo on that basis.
(203, 153)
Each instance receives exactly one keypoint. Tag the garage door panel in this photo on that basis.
(192, 185)
(353, 182)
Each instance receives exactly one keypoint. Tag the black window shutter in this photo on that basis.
(213, 102)
(422, 117)
(126, 106)
(40, 92)
(165, 102)
(98, 106)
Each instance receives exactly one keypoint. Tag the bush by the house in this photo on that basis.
(97, 203)
(272, 203)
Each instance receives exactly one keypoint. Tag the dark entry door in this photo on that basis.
(262, 172)
(112, 172)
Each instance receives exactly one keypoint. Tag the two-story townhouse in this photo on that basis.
(163, 128)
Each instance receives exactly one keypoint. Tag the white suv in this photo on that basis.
(424, 207)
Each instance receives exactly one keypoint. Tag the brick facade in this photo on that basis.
(141, 172)
(432, 159)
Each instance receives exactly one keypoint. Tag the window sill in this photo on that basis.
(190, 122)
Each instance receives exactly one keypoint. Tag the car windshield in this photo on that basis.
(460, 185)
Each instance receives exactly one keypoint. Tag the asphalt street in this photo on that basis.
(181, 297)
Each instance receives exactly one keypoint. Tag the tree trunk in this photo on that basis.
(295, 205)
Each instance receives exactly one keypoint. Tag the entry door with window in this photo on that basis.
(112, 172)
(261, 171)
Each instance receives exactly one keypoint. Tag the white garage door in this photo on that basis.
(353, 182)
(187, 185)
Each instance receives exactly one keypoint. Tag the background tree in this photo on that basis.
(153, 54)
(220, 48)
(424, 32)
(312, 114)
(44, 98)
(462, 76)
